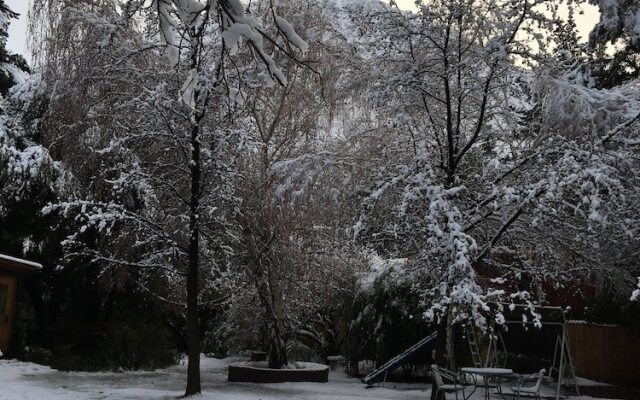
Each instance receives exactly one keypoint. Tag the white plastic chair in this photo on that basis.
(529, 391)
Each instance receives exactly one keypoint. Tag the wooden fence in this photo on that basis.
(605, 353)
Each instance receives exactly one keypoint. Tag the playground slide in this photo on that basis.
(380, 374)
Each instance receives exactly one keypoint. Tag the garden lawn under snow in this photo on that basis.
(28, 381)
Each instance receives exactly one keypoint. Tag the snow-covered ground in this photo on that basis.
(28, 381)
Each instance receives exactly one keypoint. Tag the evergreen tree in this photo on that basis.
(615, 42)
(12, 66)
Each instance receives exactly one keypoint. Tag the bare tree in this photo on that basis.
(164, 162)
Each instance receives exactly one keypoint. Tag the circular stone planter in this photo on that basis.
(258, 372)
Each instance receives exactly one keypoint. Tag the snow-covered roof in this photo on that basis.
(18, 264)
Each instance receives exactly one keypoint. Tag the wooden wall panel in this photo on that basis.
(605, 353)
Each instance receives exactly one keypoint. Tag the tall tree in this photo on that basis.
(27, 173)
(615, 41)
(470, 161)
(277, 213)
(157, 175)
(12, 66)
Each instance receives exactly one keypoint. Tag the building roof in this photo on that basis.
(13, 264)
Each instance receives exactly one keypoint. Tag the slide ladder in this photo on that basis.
(472, 339)
(381, 373)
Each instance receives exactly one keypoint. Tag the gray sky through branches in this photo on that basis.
(17, 41)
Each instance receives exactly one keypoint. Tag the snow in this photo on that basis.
(294, 366)
(588, 382)
(291, 34)
(27, 91)
(583, 322)
(377, 267)
(18, 75)
(570, 173)
(233, 33)
(236, 7)
(246, 29)
(635, 296)
(20, 261)
(168, 33)
(188, 10)
(617, 16)
(28, 381)
(189, 89)
(488, 371)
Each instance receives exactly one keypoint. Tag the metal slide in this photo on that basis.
(381, 373)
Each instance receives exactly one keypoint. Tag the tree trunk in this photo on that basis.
(441, 345)
(451, 351)
(271, 298)
(277, 345)
(193, 324)
(445, 348)
(445, 351)
(193, 329)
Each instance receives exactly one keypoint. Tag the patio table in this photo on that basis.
(487, 373)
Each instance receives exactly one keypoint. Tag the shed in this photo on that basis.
(12, 269)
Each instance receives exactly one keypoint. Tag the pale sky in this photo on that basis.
(584, 22)
(17, 41)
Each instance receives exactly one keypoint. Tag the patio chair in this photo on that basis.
(529, 391)
(439, 374)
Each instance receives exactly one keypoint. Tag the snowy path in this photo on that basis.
(27, 381)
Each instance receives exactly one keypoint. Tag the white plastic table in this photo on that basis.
(487, 373)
